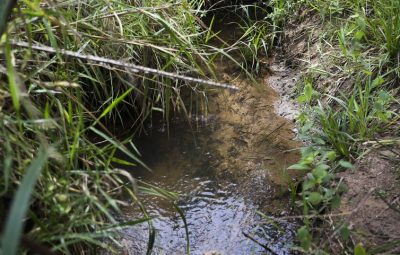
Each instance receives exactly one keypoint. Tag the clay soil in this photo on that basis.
(373, 200)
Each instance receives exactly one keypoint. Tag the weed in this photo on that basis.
(361, 45)
(69, 105)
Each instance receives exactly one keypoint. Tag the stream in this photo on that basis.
(226, 167)
(225, 170)
(219, 215)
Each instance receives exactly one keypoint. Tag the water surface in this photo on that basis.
(220, 217)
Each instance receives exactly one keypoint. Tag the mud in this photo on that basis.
(251, 137)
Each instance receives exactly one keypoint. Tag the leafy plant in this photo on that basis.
(317, 191)
(352, 120)
(360, 49)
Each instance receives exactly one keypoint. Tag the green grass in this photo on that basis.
(360, 47)
(365, 40)
(72, 105)
(64, 101)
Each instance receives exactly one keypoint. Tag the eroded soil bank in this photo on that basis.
(370, 207)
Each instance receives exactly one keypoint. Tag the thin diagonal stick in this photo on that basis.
(132, 67)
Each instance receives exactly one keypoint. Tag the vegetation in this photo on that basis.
(73, 71)
(60, 105)
(360, 49)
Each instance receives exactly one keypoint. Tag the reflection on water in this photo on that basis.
(225, 173)
(217, 213)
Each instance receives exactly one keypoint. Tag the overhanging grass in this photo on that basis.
(52, 99)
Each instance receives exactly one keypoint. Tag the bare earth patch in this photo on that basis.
(373, 198)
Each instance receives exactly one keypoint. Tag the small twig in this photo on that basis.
(132, 67)
(270, 133)
(276, 129)
(257, 242)
(390, 205)
(314, 216)
(382, 142)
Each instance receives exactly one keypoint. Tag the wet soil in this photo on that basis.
(253, 138)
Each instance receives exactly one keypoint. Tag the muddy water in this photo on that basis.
(225, 166)
(217, 212)
(225, 169)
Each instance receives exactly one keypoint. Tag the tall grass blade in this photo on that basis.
(114, 104)
(5, 10)
(13, 229)
(152, 239)
(182, 215)
(12, 78)
(7, 167)
(119, 146)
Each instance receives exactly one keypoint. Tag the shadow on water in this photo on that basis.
(218, 214)
(225, 171)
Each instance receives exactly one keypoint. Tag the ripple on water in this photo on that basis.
(216, 212)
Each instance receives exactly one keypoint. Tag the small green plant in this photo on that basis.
(359, 250)
(281, 9)
(254, 45)
(317, 190)
(349, 120)
(364, 36)
(319, 193)
(305, 238)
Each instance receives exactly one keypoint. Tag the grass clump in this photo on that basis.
(362, 52)
(349, 99)
(69, 106)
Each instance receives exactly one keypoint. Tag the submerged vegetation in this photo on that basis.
(67, 87)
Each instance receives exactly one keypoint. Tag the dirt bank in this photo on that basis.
(373, 200)
(371, 204)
